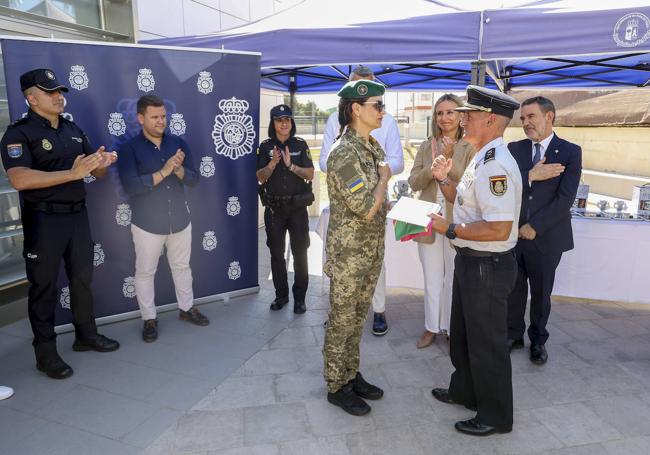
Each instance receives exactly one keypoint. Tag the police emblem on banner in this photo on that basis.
(234, 270)
(98, 255)
(89, 178)
(78, 77)
(146, 81)
(204, 83)
(128, 287)
(123, 215)
(233, 133)
(233, 207)
(206, 167)
(177, 124)
(64, 298)
(632, 30)
(116, 124)
(209, 241)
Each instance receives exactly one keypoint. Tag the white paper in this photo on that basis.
(413, 211)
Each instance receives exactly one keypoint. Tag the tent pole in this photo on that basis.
(478, 73)
(293, 87)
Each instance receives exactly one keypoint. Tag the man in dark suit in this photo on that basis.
(550, 169)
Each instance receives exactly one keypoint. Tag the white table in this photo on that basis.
(610, 261)
(403, 268)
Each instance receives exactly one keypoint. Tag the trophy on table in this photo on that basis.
(401, 188)
(620, 207)
(603, 205)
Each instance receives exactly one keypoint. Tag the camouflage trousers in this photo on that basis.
(350, 298)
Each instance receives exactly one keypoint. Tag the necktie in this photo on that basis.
(538, 153)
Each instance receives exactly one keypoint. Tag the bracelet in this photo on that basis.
(162, 175)
(292, 168)
(443, 182)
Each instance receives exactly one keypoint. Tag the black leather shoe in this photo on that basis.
(443, 395)
(100, 344)
(194, 316)
(150, 331)
(279, 303)
(299, 307)
(346, 399)
(365, 389)
(475, 428)
(55, 368)
(515, 344)
(538, 354)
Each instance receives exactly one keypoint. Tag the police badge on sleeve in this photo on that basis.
(177, 124)
(498, 185)
(15, 151)
(204, 83)
(78, 77)
(206, 167)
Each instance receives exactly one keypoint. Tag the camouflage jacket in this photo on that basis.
(353, 242)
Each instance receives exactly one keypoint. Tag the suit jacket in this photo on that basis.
(546, 205)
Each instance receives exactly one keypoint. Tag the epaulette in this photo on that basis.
(20, 121)
(299, 139)
(265, 141)
(490, 155)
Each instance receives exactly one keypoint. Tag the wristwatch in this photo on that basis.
(451, 231)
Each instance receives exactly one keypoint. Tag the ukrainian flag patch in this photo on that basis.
(355, 184)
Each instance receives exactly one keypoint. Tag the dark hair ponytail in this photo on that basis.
(345, 112)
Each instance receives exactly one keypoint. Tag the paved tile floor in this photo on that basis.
(251, 384)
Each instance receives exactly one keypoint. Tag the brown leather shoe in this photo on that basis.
(426, 339)
(193, 316)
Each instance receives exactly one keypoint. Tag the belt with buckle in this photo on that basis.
(464, 251)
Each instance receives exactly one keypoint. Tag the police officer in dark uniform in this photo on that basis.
(46, 158)
(285, 171)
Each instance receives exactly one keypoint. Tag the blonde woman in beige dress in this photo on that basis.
(435, 251)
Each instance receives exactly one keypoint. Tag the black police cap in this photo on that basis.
(42, 78)
(281, 110)
(488, 100)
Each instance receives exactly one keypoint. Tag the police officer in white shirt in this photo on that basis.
(388, 137)
(487, 202)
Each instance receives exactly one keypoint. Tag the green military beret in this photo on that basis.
(361, 89)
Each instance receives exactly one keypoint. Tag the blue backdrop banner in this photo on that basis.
(212, 101)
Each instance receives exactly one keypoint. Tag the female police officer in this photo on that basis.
(357, 179)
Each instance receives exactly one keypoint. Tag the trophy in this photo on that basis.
(620, 207)
(603, 205)
(401, 188)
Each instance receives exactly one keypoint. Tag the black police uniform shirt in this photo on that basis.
(283, 182)
(33, 143)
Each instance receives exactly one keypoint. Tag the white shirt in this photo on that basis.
(490, 190)
(543, 146)
(387, 136)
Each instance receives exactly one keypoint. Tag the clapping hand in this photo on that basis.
(441, 167)
(286, 156)
(107, 158)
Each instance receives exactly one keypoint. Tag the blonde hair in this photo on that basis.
(434, 121)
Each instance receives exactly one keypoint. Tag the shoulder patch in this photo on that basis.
(300, 139)
(498, 185)
(490, 155)
(15, 151)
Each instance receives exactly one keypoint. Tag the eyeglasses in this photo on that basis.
(379, 105)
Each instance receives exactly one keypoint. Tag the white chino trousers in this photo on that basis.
(148, 248)
(438, 267)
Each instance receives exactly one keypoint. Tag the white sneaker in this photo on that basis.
(5, 392)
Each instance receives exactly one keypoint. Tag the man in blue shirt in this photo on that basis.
(154, 172)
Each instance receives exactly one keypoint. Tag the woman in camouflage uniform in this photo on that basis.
(357, 180)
